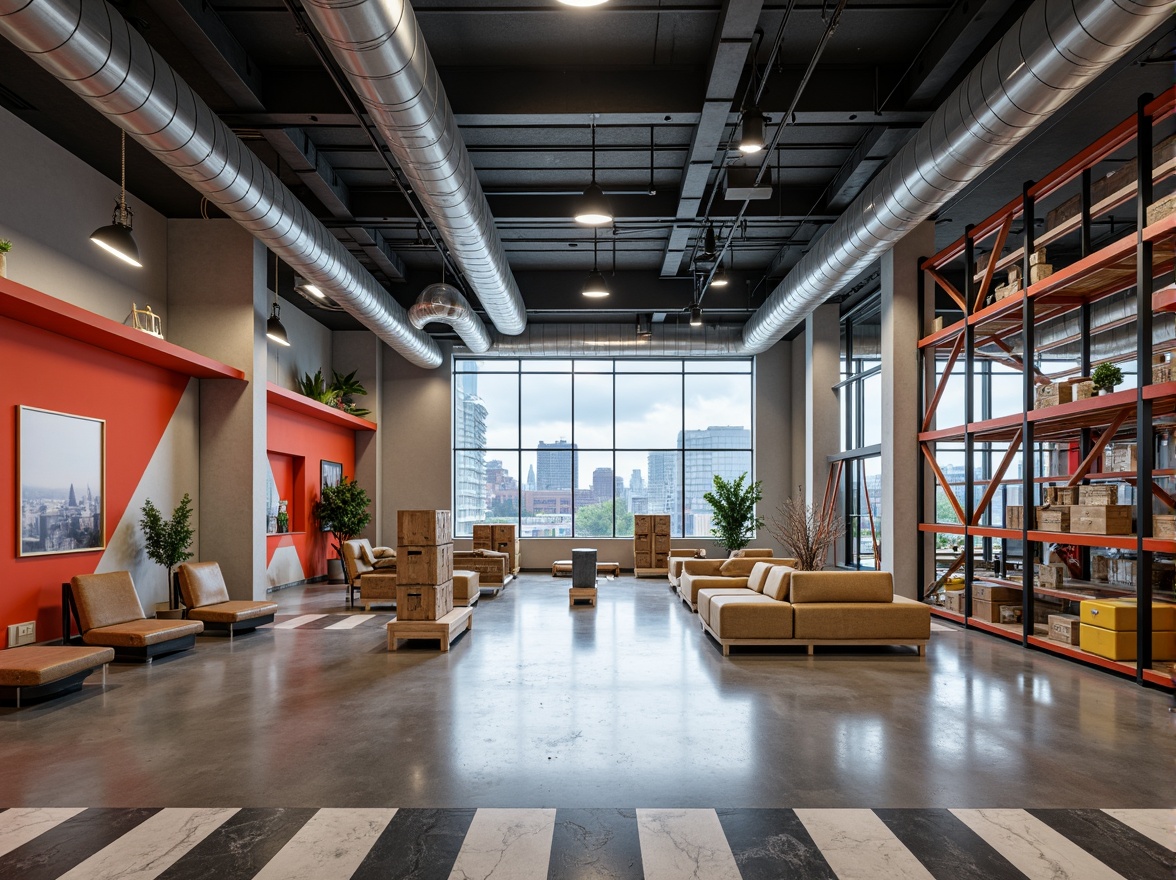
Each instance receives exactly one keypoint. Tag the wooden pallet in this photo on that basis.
(651, 572)
(443, 631)
(582, 594)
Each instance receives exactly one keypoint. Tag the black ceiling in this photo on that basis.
(526, 80)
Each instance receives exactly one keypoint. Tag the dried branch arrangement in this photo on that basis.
(805, 532)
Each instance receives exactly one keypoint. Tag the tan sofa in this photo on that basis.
(109, 616)
(698, 574)
(375, 580)
(492, 567)
(206, 598)
(780, 606)
(679, 555)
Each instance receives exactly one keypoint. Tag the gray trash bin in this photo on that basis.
(584, 567)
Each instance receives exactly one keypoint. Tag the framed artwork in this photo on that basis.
(62, 474)
(331, 474)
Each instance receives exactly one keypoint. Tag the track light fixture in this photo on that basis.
(644, 328)
(117, 238)
(595, 287)
(302, 284)
(720, 278)
(593, 209)
(696, 315)
(751, 140)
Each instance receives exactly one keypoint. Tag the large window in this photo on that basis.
(575, 448)
(860, 396)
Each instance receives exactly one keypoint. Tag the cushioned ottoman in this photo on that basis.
(563, 568)
(466, 588)
(41, 671)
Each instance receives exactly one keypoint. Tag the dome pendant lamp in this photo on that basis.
(273, 327)
(117, 238)
(593, 209)
(595, 287)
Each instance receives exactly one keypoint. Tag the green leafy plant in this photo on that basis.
(5, 245)
(343, 510)
(283, 521)
(1106, 377)
(345, 388)
(168, 540)
(733, 519)
(316, 388)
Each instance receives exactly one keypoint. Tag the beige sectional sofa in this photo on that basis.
(698, 574)
(779, 606)
(680, 555)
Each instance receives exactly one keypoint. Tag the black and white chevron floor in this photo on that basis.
(618, 844)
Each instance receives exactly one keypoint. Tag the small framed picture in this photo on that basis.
(331, 474)
(62, 494)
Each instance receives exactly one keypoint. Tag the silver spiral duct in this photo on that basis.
(445, 304)
(379, 45)
(87, 45)
(618, 341)
(1054, 50)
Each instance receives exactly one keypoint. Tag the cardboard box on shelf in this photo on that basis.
(1124, 572)
(1005, 291)
(1037, 257)
(1053, 394)
(1120, 458)
(1157, 211)
(1083, 389)
(1162, 373)
(990, 611)
(1098, 494)
(953, 600)
(1015, 517)
(1064, 628)
(1163, 526)
(1010, 613)
(1100, 569)
(1061, 496)
(937, 324)
(1040, 272)
(989, 593)
(1051, 576)
(1112, 519)
(1053, 519)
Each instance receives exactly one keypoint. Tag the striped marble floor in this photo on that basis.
(577, 844)
(329, 622)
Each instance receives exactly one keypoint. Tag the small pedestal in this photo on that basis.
(444, 631)
(582, 594)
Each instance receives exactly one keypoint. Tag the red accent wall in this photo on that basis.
(294, 436)
(137, 400)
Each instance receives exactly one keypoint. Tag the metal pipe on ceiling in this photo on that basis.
(93, 50)
(618, 341)
(381, 49)
(444, 304)
(1053, 51)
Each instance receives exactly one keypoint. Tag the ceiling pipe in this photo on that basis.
(444, 304)
(380, 47)
(618, 341)
(1053, 51)
(100, 57)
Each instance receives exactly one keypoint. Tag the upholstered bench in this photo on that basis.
(466, 588)
(37, 671)
(206, 597)
(109, 615)
(563, 568)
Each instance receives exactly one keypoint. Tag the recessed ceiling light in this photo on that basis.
(582, 2)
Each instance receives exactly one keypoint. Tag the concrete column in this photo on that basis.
(773, 411)
(218, 305)
(900, 409)
(822, 418)
(364, 352)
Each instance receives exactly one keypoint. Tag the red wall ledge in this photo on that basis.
(49, 313)
(300, 403)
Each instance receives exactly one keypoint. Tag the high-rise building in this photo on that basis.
(469, 465)
(602, 484)
(663, 491)
(636, 482)
(557, 465)
(720, 449)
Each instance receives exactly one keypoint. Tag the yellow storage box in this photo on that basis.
(1120, 645)
(1120, 614)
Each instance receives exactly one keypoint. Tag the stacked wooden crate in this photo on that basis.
(651, 545)
(501, 538)
(424, 564)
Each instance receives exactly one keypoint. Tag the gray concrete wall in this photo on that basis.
(822, 344)
(226, 321)
(797, 425)
(50, 203)
(363, 352)
(773, 434)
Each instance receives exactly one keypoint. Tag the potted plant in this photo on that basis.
(5, 247)
(167, 542)
(733, 519)
(346, 388)
(1105, 377)
(343, 510)
(806, 533)
(316, 388)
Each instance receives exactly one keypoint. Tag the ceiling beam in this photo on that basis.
(313, 169)
(729, 52)
(378, 250)
(871, 153)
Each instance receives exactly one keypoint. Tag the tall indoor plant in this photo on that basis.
(343, 510)
(805, 532)
(168, 540)
(733, 519)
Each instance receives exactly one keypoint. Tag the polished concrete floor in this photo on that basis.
(625, 705)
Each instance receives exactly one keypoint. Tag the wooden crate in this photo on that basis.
(643, 543)
(643, 559)
(1164, 526)
(661, 560)
(1162, 373)
(423, 528)
(642, 524)
(1100, 569)
(1053, 394)
(1051, 576)
(504, 533)
(1039, 272)
(1053, 519)
(1063, 496)
(1123, 458)
(484, 533)
(1098, 494)
(1064, 628)
(1015, 517)
(483, 545)
(1037, 257)
(1157, 211)
(661, 544)
(990, 612)
(1083, 389)
(990, 593)
(423, 601)
(1103, 519)
(424, 565)
(661, 524)
(511, 549)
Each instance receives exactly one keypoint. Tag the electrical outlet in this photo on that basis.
(22, 633)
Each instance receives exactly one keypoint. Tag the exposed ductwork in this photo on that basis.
(618, 341)
(445, 304)
(380, 47)
(93, 50)
(1053, 51)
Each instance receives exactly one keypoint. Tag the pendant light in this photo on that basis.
(582, 3)
(720, 278)
(595, 287)
(593, 209)
(117, 238)
(708, 243)
(696, 315)
(751, 140)
(273, 327)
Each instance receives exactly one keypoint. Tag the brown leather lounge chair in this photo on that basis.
(109, 615)
(202, 587)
